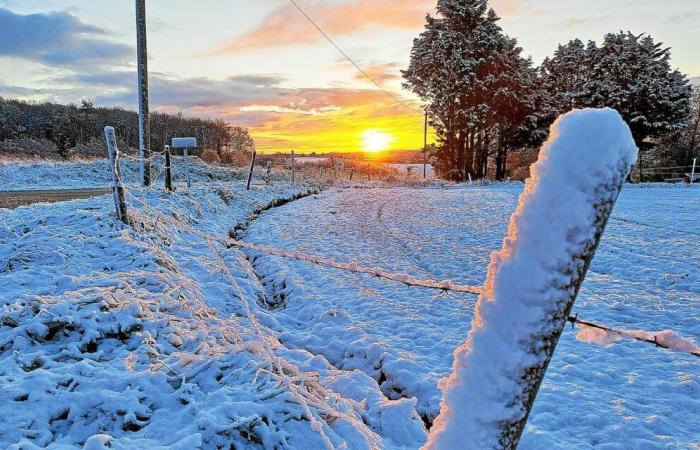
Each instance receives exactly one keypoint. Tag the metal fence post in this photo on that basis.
(117, 186)
(250, 172)
(168, 170)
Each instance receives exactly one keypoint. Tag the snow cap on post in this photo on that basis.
(533, 281)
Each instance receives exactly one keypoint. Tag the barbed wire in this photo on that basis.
(638, 336)
(443, 285)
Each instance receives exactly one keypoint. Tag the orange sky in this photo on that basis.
(259, 64)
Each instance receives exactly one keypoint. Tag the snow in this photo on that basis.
(95, 174)
(413, 169)
(529, 282)
(625, 394)
(265, 349)
(152, 338)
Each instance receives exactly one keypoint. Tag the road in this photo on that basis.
(13, 199)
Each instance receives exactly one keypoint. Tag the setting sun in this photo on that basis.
(376, 141)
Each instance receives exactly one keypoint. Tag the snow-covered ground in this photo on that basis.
(163, 336)
(33, 175)
(624, 394)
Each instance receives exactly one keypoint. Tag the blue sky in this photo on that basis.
(257, 63)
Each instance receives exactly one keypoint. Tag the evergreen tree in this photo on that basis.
(630, 73)
(480, 92)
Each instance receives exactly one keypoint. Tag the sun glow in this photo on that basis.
(374, 141)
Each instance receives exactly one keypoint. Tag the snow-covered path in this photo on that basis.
(624, 394)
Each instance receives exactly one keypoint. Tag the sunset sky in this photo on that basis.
(259, 64)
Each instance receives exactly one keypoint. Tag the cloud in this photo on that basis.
(57, 39)
(286, 26)
(382, 73)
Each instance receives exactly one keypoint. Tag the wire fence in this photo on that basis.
(658, 339)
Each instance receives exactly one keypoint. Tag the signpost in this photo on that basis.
(185, 144)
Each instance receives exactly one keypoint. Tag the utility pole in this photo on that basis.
(425, 146)
(144, 118)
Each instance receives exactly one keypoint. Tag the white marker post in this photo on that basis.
(692, 173)
(117, 186)
(185, 144)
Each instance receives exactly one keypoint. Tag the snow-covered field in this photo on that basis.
(623, 394)
(164, 336)
(33, 175)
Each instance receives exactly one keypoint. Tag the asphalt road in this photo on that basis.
(13, 199)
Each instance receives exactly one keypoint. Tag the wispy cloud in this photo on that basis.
(286, 26)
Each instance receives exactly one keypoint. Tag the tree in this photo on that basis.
(480, 92)
(630, 73)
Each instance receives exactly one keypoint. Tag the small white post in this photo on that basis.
(692, 173)
(470, 178)
(186, 153)
(117, 186)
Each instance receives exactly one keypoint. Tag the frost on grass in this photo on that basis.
(149, 337)
(531, 280)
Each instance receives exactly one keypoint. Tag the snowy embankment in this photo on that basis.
(152, 337)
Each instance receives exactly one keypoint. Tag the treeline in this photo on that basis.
(50, 130)
(486, 101)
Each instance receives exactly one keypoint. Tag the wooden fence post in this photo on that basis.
(293, 170)
(533, 282)
(250, 172)
(117, 186)
(168, 170)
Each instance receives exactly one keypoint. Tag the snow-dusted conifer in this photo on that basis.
(475, 83)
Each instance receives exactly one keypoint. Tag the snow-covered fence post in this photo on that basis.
(250, 172)
(117, 186)
(144, 116)
(168, 170)
(533, 281)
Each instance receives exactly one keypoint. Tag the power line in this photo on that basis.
(350, 60)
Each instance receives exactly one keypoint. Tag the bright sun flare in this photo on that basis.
(376, 141)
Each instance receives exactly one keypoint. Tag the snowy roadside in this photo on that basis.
(153, 336)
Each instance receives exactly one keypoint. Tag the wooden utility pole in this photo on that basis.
(144, 116)
(425, 146)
